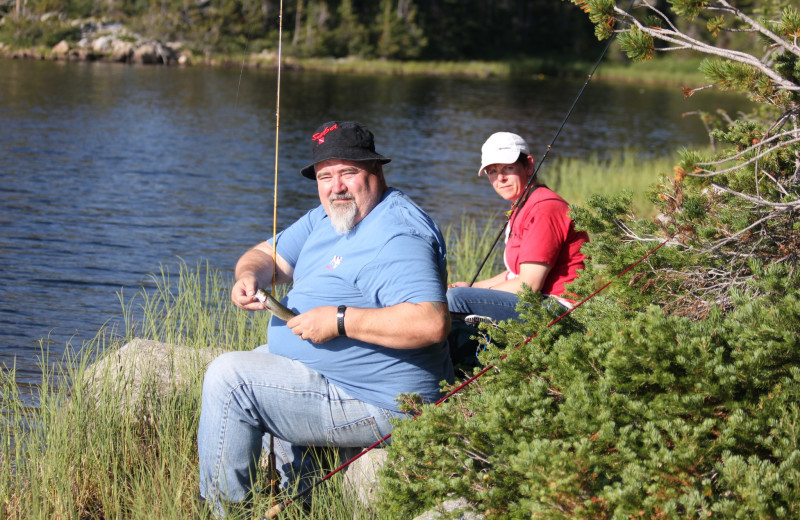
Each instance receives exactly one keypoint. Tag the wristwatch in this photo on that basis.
(340, 320)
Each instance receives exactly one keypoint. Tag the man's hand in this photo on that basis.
(243, 293)
(318, 325)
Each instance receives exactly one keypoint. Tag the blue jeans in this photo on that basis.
(248, 396)
(498, 305)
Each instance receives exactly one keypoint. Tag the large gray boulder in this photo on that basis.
(361, 482)
(143, 371)
(448, 507)
(361, 476)
(60, 50)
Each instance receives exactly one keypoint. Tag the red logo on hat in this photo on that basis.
(320, 136)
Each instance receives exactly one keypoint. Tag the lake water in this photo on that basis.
(108, 172)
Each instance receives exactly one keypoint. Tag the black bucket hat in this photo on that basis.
(348, 140)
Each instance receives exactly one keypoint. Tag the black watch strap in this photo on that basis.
(340, 320)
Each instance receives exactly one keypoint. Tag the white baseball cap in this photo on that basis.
(502, 148)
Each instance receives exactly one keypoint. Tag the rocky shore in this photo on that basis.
(113, 42)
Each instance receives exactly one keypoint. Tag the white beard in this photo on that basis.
(343, 216)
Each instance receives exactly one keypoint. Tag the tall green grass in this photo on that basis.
(664, 70)
(468, 243)
(576, 179)
(83, 454)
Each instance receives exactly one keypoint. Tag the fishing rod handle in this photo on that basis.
(274, 511)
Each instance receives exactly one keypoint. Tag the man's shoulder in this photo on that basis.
(405, 216)
(312, 217)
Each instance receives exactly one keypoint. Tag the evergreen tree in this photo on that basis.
(400, 36)
(739, 202)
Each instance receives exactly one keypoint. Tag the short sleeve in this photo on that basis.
(291, 240)
(408, 268)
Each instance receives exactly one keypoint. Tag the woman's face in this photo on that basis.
(509, 180)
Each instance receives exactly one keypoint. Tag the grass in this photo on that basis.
(95, 452)
(576, 179)
(665, 70)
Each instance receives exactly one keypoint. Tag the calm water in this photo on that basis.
(108, 172)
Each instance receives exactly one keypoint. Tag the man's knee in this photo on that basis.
(224, 370)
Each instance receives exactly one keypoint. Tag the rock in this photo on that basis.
(60, 50)
(146, 53)
(361, 477)
(82, 54)
(144, 368)
(103, 45)
(121, 51)
(449, 506)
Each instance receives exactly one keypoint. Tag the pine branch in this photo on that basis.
(731, 238)
(794, 49)
(682, 41)
(751, 149)
(759, 201)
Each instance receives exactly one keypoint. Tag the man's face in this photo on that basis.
(348, 192)
(509, 180)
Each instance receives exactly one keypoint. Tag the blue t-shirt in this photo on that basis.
(395, 254)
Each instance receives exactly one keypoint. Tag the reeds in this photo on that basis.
(576, 179)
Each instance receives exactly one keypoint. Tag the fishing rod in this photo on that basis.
(272, 465)
(275, 510)
(527, 191)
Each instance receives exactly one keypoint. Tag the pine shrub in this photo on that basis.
(620, 414)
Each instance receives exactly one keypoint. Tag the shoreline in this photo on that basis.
(153, 53)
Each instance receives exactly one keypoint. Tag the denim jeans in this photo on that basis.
(498, 305)
(248, 396)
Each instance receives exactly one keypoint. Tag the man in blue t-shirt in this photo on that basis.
(367, 269)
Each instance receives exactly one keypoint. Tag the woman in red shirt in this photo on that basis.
(543, 249)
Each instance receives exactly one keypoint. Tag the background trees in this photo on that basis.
(396, 29)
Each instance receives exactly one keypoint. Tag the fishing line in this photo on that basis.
(277, 141)
(241, 73)
(271, 457)
(276, 509)
(527, 191)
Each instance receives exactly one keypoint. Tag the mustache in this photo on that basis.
(344, 196)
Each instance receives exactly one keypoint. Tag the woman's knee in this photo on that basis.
(455, 299)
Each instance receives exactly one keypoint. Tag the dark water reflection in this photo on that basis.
(108, 172)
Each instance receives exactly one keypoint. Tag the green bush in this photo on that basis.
(619, 415)
(26, 32)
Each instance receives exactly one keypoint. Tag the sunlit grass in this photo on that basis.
(93, 451)
(468, 244)
(665, 70)
(576, 179)
(671, 70)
